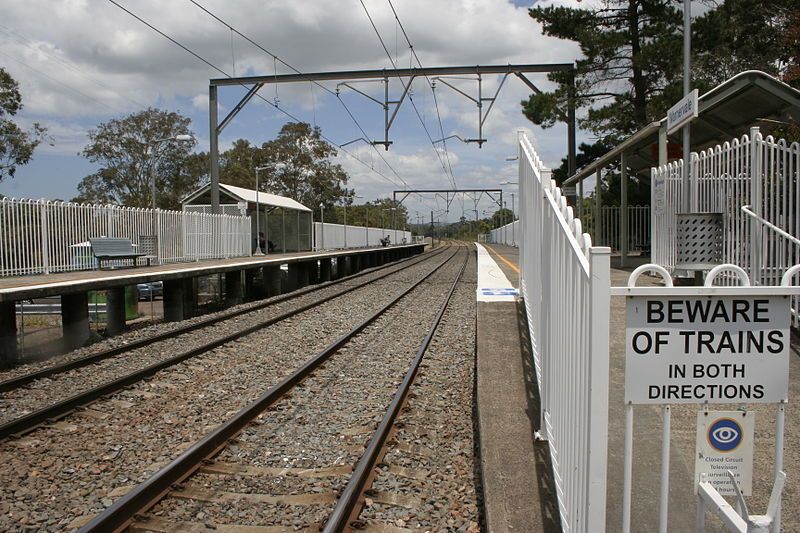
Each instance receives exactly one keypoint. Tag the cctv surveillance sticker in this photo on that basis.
(725, 435)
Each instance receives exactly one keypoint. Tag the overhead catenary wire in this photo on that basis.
(450, 177)
(277, 59)
(68, 64)
(430, 84)
(225, 74)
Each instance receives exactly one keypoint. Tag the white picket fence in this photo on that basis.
(42, 236)
(508, 234)
(565, 284)
(755, 182)
(604, 226)
(337, 236)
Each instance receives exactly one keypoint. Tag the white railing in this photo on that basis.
(507, 234)
(337, 236)
(753, 171)
(565, 284)
(42, 237)
(604, 226)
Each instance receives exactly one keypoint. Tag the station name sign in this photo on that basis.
(715, 349)
(683, 112)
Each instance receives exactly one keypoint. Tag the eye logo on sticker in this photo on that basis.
(725, 435)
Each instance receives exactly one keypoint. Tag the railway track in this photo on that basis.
(284, 458)
(69, 377)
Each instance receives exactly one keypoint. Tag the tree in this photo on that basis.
(743, 35)
(299, 167)
(128, 150)
(501, 217)
(16, 145)
(630, 72)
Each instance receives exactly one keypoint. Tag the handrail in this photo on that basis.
(746, 210)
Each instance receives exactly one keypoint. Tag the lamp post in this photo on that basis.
(344, 204)
(152, 146)
(322, 226)
(513, 214)
(259, 251)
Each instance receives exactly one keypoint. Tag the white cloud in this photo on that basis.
(80, 62)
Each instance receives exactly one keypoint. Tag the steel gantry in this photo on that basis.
(255, 83)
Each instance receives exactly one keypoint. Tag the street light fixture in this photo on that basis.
(152, 148)
(344, 205)
(259, 251)
(322, 225)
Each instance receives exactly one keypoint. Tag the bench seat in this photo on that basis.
(112, 248)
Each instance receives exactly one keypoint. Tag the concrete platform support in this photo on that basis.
(272, 280)
(250, 289)
(75, 319)
(313, 272)
(115, 311)
(8, 334)
(304, 273)
(234, 290)
(324, 270)
(189, 297)
(174, 300)
(293, 275)
(343, 266)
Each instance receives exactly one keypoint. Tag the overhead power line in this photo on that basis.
(225, 74)
(450, 177)
(297, 71)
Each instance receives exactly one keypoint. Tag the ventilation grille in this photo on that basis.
(699, 241)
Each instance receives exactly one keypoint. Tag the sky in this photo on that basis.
(83, 62)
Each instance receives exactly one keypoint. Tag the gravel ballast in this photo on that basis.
(70, 470)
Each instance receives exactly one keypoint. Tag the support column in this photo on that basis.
(272, 280)
(249, 284)
(343, 266)
(623, 211)
(173, 300)
(233, 288)
(189, 297)
(324, 270)
(304, 273)
(8, 334)
(115, 311)
(75, 319)
(598, 203)
(292, 277)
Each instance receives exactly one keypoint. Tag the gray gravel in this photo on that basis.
(314, 430)
(43, 392)
(70, 470)
(431, 457)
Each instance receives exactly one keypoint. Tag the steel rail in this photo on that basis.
(59, 409)
(19, 381)
(123, 511)
(347, 507)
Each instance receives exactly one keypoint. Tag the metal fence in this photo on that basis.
(42, 237)
(604, 226)
(507, 234)
(753, 182)
(336, 236)
(565, 284)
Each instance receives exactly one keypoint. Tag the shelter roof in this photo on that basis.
(727, 111)
(240, 194)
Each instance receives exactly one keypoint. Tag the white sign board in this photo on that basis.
(725, 442)
(715, 349)
(659, 188)
(683, 112)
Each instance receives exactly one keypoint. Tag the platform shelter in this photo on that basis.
(285, 222)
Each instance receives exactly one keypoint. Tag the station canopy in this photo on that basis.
(236, 195)
(751, 98)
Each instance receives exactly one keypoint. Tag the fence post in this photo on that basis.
(756, 231)
(600, 299)
(45, 236)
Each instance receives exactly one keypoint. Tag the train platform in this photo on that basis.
(519, 492)
(244, 278)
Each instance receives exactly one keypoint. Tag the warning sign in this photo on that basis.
(715, 349)
(725, 443)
